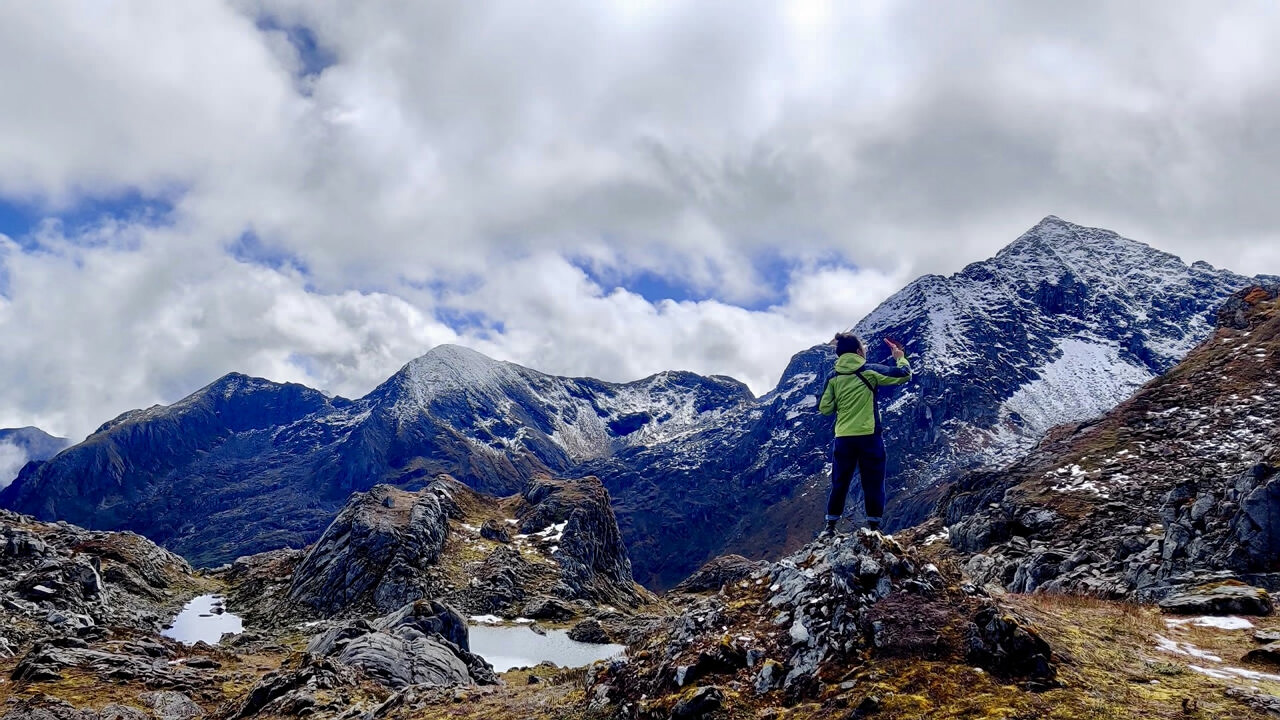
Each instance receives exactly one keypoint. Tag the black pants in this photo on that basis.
(864, 453)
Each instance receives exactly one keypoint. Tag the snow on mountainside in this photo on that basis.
(586, 418)
(1060, 325)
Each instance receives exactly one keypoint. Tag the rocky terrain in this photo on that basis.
(57, 579)
(371, 609)
(553, 552)
(696, 465)
(1177, 487)
(853, 627)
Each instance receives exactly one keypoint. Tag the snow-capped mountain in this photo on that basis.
(1059, 326)
(247, 464)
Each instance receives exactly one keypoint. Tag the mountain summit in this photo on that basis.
(1059, 326)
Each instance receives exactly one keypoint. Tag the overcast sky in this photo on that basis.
(319, 191)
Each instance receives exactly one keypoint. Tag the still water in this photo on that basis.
(509, 646)
(198, 622)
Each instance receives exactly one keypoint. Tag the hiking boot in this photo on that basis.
(829, 531)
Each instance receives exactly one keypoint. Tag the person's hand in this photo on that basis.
(895, 349)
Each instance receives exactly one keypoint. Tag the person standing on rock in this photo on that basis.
(850, 394)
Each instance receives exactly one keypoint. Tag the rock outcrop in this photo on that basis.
(1179, 486)
(795, 629)
(375, 554)
(423, 643)
(58, 579)
(560, 553)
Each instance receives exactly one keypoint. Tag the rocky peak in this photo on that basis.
(375, 553)
(556, 546)
(1177, 486)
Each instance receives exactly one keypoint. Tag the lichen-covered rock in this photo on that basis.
(1000, 643)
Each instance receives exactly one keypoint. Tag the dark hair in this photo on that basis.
(847, 342)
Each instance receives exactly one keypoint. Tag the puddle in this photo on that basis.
(508, 647)
(199, 622)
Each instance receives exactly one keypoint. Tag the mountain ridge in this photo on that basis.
(697, 465)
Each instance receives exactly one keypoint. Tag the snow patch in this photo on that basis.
(1088, 378)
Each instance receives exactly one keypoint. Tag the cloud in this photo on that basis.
(420, 173)
(12, 458)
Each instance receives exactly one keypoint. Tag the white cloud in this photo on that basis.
(12, 458)
(457, 157)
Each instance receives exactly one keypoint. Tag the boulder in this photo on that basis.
(1268, 654)
(589, 631)
(493, 530)
(547, 608)
(703, 701)
(170, 705)
(1224, 598)
(719, 572)
(1001, 644)
(424, 643)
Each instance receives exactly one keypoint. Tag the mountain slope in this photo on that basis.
(1057, 327)
(19, 446)
(1177, 486)
(247, 465)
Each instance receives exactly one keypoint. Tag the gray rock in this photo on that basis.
(1227, 598)
(493, 530)
(424, 643)
(372, 554)
(115, 711)
(700, 703)
(769, 677)
(546, 608)
(1268, 654)
(589, 631)
(719, 572)
(170, 705)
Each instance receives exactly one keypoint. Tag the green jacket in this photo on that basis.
(854, 401)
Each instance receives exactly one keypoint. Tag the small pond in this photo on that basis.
(200, 620)
(509, 646)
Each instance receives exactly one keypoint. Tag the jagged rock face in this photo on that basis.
(1178, 486)
(591, 553)
(375, 554)
(60, 579)
(389, 547)
(696, 465)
